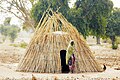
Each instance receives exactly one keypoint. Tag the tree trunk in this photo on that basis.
(105, 41)
(113, 40)
(98, 39)
(4, 38)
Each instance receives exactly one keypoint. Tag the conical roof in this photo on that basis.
(52, 35)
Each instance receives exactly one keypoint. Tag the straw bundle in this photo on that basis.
(53, 34)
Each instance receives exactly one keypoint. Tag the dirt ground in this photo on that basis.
(10, 56)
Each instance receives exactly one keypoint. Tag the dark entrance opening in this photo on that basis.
(64, 67)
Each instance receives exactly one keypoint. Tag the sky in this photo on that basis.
(17, 22)
(116, 3)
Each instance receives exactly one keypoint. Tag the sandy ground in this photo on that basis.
(10, 56)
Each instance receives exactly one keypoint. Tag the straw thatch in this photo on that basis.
(52, 35)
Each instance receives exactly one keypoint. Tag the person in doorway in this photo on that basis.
(70, 58)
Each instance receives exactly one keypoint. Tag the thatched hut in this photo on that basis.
(53, 34)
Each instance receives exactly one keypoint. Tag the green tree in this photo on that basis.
(13, 33)
(5, 28)
(113, 27)
(4, 31)
(8, 30)
(75, 17)
(98, 22)
(91, 16)
(42, 5)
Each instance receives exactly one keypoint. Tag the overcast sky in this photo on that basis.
(116, 3)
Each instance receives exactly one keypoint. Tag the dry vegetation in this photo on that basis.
(10, 56)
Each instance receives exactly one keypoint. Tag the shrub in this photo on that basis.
(118, 40)
(15, 45)
(23, 45)
(115, 46)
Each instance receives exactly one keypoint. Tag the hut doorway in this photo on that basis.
(64, 67)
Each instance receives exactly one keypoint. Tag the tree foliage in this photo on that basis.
(100, 13)
(4, 30)
(113, 27)
(8, 30)
(42, 5)
(90, 16)
(12, 33)
(75, 17)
